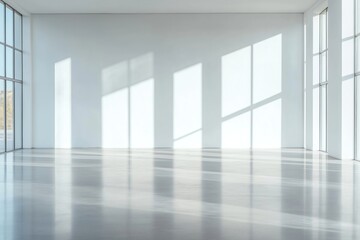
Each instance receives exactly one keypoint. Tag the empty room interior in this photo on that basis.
(180, 120)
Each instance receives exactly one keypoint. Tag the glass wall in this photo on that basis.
(323, 89)
(11, 76)
(357, 79)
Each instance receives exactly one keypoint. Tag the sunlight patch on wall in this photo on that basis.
(114, 106)
(251, 95)
(128, 104)
(115, 119)
(142, 101)
(142, 114)
(236, 81)
(267, 125)
(63, 104)
(236, 132)
(267, 68)
(188, 105)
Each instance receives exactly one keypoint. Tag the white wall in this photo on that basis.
(162, 80)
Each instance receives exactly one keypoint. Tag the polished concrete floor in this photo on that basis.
(178, 194)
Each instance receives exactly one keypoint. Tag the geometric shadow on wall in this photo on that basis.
(251, 96)
(251, 104)
(128, 104)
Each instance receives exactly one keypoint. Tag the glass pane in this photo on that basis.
(357, 118)
(18, 116)
(2, 22)
(9, 116)
(9, 26)
(18, 31)
(18, 65)
(323, 65)
(323, 31)
(316, 34)
(2, 116)
(357, 2)
(357, 54)
(2, 60)
(323, 118)
(9, 62)
(327, 29)
(316, 69)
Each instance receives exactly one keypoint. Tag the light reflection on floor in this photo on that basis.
(178, 194)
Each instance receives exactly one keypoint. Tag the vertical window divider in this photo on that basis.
(323, 85)
(355, 80)
(356, 84)
(5, 90)
(13, 84)
(327, 78)
(320, 76)
(22, 84)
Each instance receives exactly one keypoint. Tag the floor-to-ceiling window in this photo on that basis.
(323, 58)
(357, 79)
(11, 75)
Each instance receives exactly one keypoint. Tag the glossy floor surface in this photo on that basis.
(178, 194)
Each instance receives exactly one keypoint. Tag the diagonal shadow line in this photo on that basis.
(348, 38)
(253, 106)
(348, 77)
(186, 135)
(316, 85)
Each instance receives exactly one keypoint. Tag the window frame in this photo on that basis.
(356, 76)
(323, 84)
(15, 78)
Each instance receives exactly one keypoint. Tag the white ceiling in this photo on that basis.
(164, 6)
